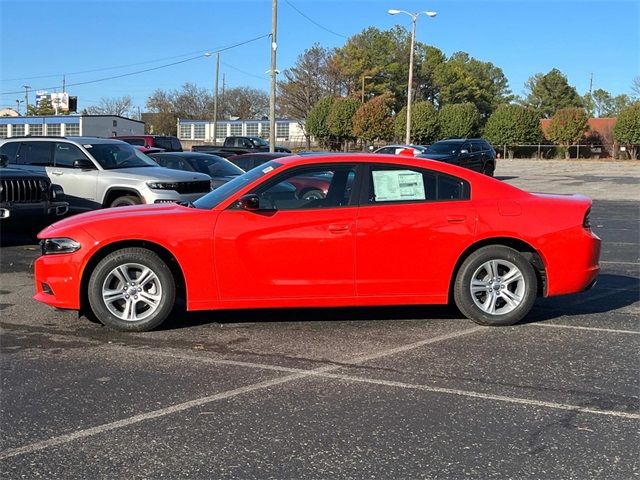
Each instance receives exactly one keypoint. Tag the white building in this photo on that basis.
(287, 131)
(70, 126)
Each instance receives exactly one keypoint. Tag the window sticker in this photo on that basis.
(267, 170)
(395, 185)
(87, 146)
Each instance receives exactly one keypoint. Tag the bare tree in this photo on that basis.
(122, 106)
(245, 103)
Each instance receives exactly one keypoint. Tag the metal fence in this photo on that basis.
(577, 151)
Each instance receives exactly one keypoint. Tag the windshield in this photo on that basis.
(259, 142)
(215, 166)
(213, 198)
(111, 156)
(444, 148)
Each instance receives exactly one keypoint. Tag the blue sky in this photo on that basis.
(41, 40)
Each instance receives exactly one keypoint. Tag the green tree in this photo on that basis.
(424, 123)
(459, 120)
(43, 108)
(373, 120)
(627, 129)
(567, 126)
(550, 92)
(317, 120)
(340, 119)
(513, 124)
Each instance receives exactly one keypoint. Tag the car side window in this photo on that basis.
(64, 154)
(309, 188)
(35, 153)
(396, 184)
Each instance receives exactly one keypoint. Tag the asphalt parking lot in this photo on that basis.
(384, 393)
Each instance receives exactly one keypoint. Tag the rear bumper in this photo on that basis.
(573, 267)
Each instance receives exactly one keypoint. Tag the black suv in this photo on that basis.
(28, 194)
(472, 153)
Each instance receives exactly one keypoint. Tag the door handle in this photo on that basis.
(56, 172)
(337, 228)
(456, 218)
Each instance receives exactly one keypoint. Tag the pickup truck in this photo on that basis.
(238, 146)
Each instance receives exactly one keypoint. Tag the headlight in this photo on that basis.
(59, 245)
(162, 185)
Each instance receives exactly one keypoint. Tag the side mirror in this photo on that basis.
(249, 202)
(464, 151)
(83, 164)
(4, 160)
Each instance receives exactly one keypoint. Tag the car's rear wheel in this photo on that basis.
(125, 201)
(132, 289)
(495, 286)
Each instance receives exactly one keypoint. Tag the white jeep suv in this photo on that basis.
(100, 172)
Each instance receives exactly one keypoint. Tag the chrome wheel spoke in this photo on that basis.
(489, 305)
(145, 277)
(503, 286)
(478, 286)
(148, 299)
(512, 299)
(514, 275)
(122, 274)
(492, 268)
(132, 292)
(110, 296)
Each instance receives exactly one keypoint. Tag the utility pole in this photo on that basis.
(272, 97)
(64, 84)
(407, 140)
(26, 98)
(215, 101)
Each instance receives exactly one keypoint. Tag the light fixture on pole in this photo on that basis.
(414, 18)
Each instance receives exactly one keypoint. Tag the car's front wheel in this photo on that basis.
(495, 286)
(131, 289)
(125, 201)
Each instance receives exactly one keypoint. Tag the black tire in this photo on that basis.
(503, 294)
(126, 201)
(155, 301)
(312, 194)
(488, 169)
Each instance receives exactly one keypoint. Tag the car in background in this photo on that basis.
(165, 142)
(219, 169)
(28, 195)
(472, 153)
(148, 150)
(102, 172)
(239, 145)
(247, 161)
(401, 150)
(409, 232)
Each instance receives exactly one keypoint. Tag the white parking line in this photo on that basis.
(575, 327)
(88, 432)
(611, 262)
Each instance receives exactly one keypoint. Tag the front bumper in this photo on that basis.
(57, 281)
(43, 209)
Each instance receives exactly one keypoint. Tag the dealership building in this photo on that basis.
(69, 125)
(286, 130)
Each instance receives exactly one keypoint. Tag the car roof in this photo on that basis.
(263, 155)
(80, 140)
(187, 155)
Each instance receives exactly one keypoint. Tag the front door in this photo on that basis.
(295, 245)
(80, 185)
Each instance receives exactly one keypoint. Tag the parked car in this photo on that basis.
(247, 161)
(148, 150)
(409, 231)
(27, 195)
(474, 153)
(219, 169)
(401, 149)
(239, 145)
(166, 143)
(102, 172)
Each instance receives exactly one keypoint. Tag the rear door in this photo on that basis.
(79, 184)
(413, 224)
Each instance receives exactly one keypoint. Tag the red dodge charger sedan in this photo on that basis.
(390, 230)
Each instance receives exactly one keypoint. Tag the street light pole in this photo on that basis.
(414, 19)
(26, 98)
(215, 102)
(272, 97)
(363, 78)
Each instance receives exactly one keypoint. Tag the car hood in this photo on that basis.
(131, 212)
(156, 173)
(6, 172)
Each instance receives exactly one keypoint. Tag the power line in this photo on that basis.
(313, 21)
(242, 71)
(113, 77)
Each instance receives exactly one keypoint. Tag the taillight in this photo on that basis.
(586, 223)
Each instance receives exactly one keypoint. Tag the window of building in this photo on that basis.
(221, 130)
(236, 129)
(17, 130)
(115, 123)
(185, 131)
(54, 129)
(282, 130)
(71, 129)
(198, 131)
(4, 131)
(36, 129)
(252, 129)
